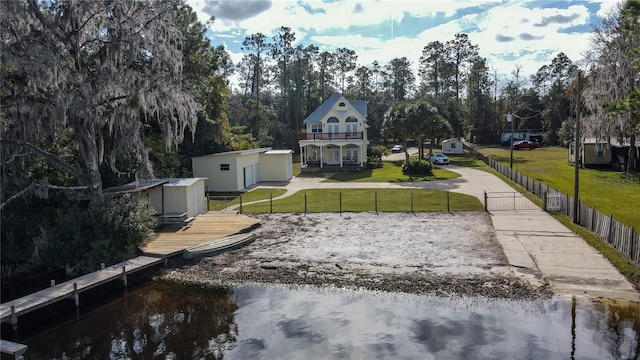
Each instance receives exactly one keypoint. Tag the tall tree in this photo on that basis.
(345, 62)
(257, 44)
(401, 78)
(326, 65)
(462, 53)
(432, 63)
(92, 74)
(282, 51)
(612, 79)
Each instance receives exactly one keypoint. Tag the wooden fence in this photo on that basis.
(625, 239)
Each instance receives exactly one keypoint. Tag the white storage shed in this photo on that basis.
(452, 146)
(238, 170)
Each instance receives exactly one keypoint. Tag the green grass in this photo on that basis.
(611, 192)
(360, 200)
(391, 172)
(221, 202)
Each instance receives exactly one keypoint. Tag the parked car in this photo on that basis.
(525, 144)
(396, 149)
(439, 159)
(507, 142)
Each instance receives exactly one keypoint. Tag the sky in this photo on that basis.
(510, 34)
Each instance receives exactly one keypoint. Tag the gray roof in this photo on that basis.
(360, 106)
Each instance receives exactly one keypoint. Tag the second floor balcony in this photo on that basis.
(358, 135)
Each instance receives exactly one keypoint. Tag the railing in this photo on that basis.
(332, 136)
(625, 239)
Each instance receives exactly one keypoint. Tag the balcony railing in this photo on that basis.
(332, 136)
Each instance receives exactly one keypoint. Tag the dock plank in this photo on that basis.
(205, 227)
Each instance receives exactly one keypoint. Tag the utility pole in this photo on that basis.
(512, 121)
(576, 162)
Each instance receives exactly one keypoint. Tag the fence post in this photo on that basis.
(485, 201)
(411, 202)
(593, 219)
(375, 194)
(208, 205)
(305, 203)
(610, 228)
(270, 203)
(544, 201)
(448, 201)
(514, 200)
(340, 203)
(240, 203)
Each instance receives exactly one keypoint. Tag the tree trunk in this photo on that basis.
(631, 163)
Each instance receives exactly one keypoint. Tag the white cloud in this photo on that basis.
(538, 34)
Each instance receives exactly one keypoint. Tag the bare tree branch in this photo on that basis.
(51, 158)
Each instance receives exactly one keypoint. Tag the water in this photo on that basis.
(168, 321)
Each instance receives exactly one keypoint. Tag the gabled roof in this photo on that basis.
(360, 106)
(134, 187)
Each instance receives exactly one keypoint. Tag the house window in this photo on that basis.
(342, 104)
(333, 119)
(224, 167)
(351, 119)
(453, 145)
(316, 128)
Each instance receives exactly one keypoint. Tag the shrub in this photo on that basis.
(374, 162)
(378, 151)
(417, 167)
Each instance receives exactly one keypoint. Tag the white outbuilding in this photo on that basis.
(168, 196)
(235, 171)
(452, 146)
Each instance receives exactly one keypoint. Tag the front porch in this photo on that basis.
(314, 166)
(333, 156)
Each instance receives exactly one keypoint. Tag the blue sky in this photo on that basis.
(509, 33)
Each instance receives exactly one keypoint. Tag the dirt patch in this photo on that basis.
(425, 253)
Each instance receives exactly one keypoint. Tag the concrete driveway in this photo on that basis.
(538, 247)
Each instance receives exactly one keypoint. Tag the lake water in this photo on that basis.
(169, 321)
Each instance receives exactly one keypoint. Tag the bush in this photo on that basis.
(378, 151)
(374, 162)
(417, 167)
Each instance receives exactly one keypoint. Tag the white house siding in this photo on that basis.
(217, 180)
(154, 196)
(185, 195)
(247, 164)
(275, 165)
(452, 146)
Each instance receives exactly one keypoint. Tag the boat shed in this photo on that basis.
(168, 196)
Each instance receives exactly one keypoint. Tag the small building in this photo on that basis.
(593, 152)
(452, 146)
(235, 171)
(168, 196)
(531, 135)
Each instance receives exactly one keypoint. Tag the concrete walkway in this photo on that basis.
(538, 247)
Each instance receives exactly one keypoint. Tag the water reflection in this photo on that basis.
(258, 322)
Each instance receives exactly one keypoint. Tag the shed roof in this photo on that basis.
(237, 152)
(278, 152)
(133, 187)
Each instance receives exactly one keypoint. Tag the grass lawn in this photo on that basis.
(611, 192)
(391, 172)
(220, 202)
(359, 200)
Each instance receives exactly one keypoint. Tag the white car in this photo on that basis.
(439, 159)
(396, 149)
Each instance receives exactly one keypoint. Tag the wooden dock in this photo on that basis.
(204, 228)
(10, 311)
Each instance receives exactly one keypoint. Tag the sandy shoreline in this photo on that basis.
(445, 254)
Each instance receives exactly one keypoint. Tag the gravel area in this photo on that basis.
(444, 254)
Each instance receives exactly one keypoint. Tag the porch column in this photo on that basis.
(321, 149)
(340, 156)
(301, 156)
(363, 153)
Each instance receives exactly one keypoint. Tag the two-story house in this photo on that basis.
(336, 135)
